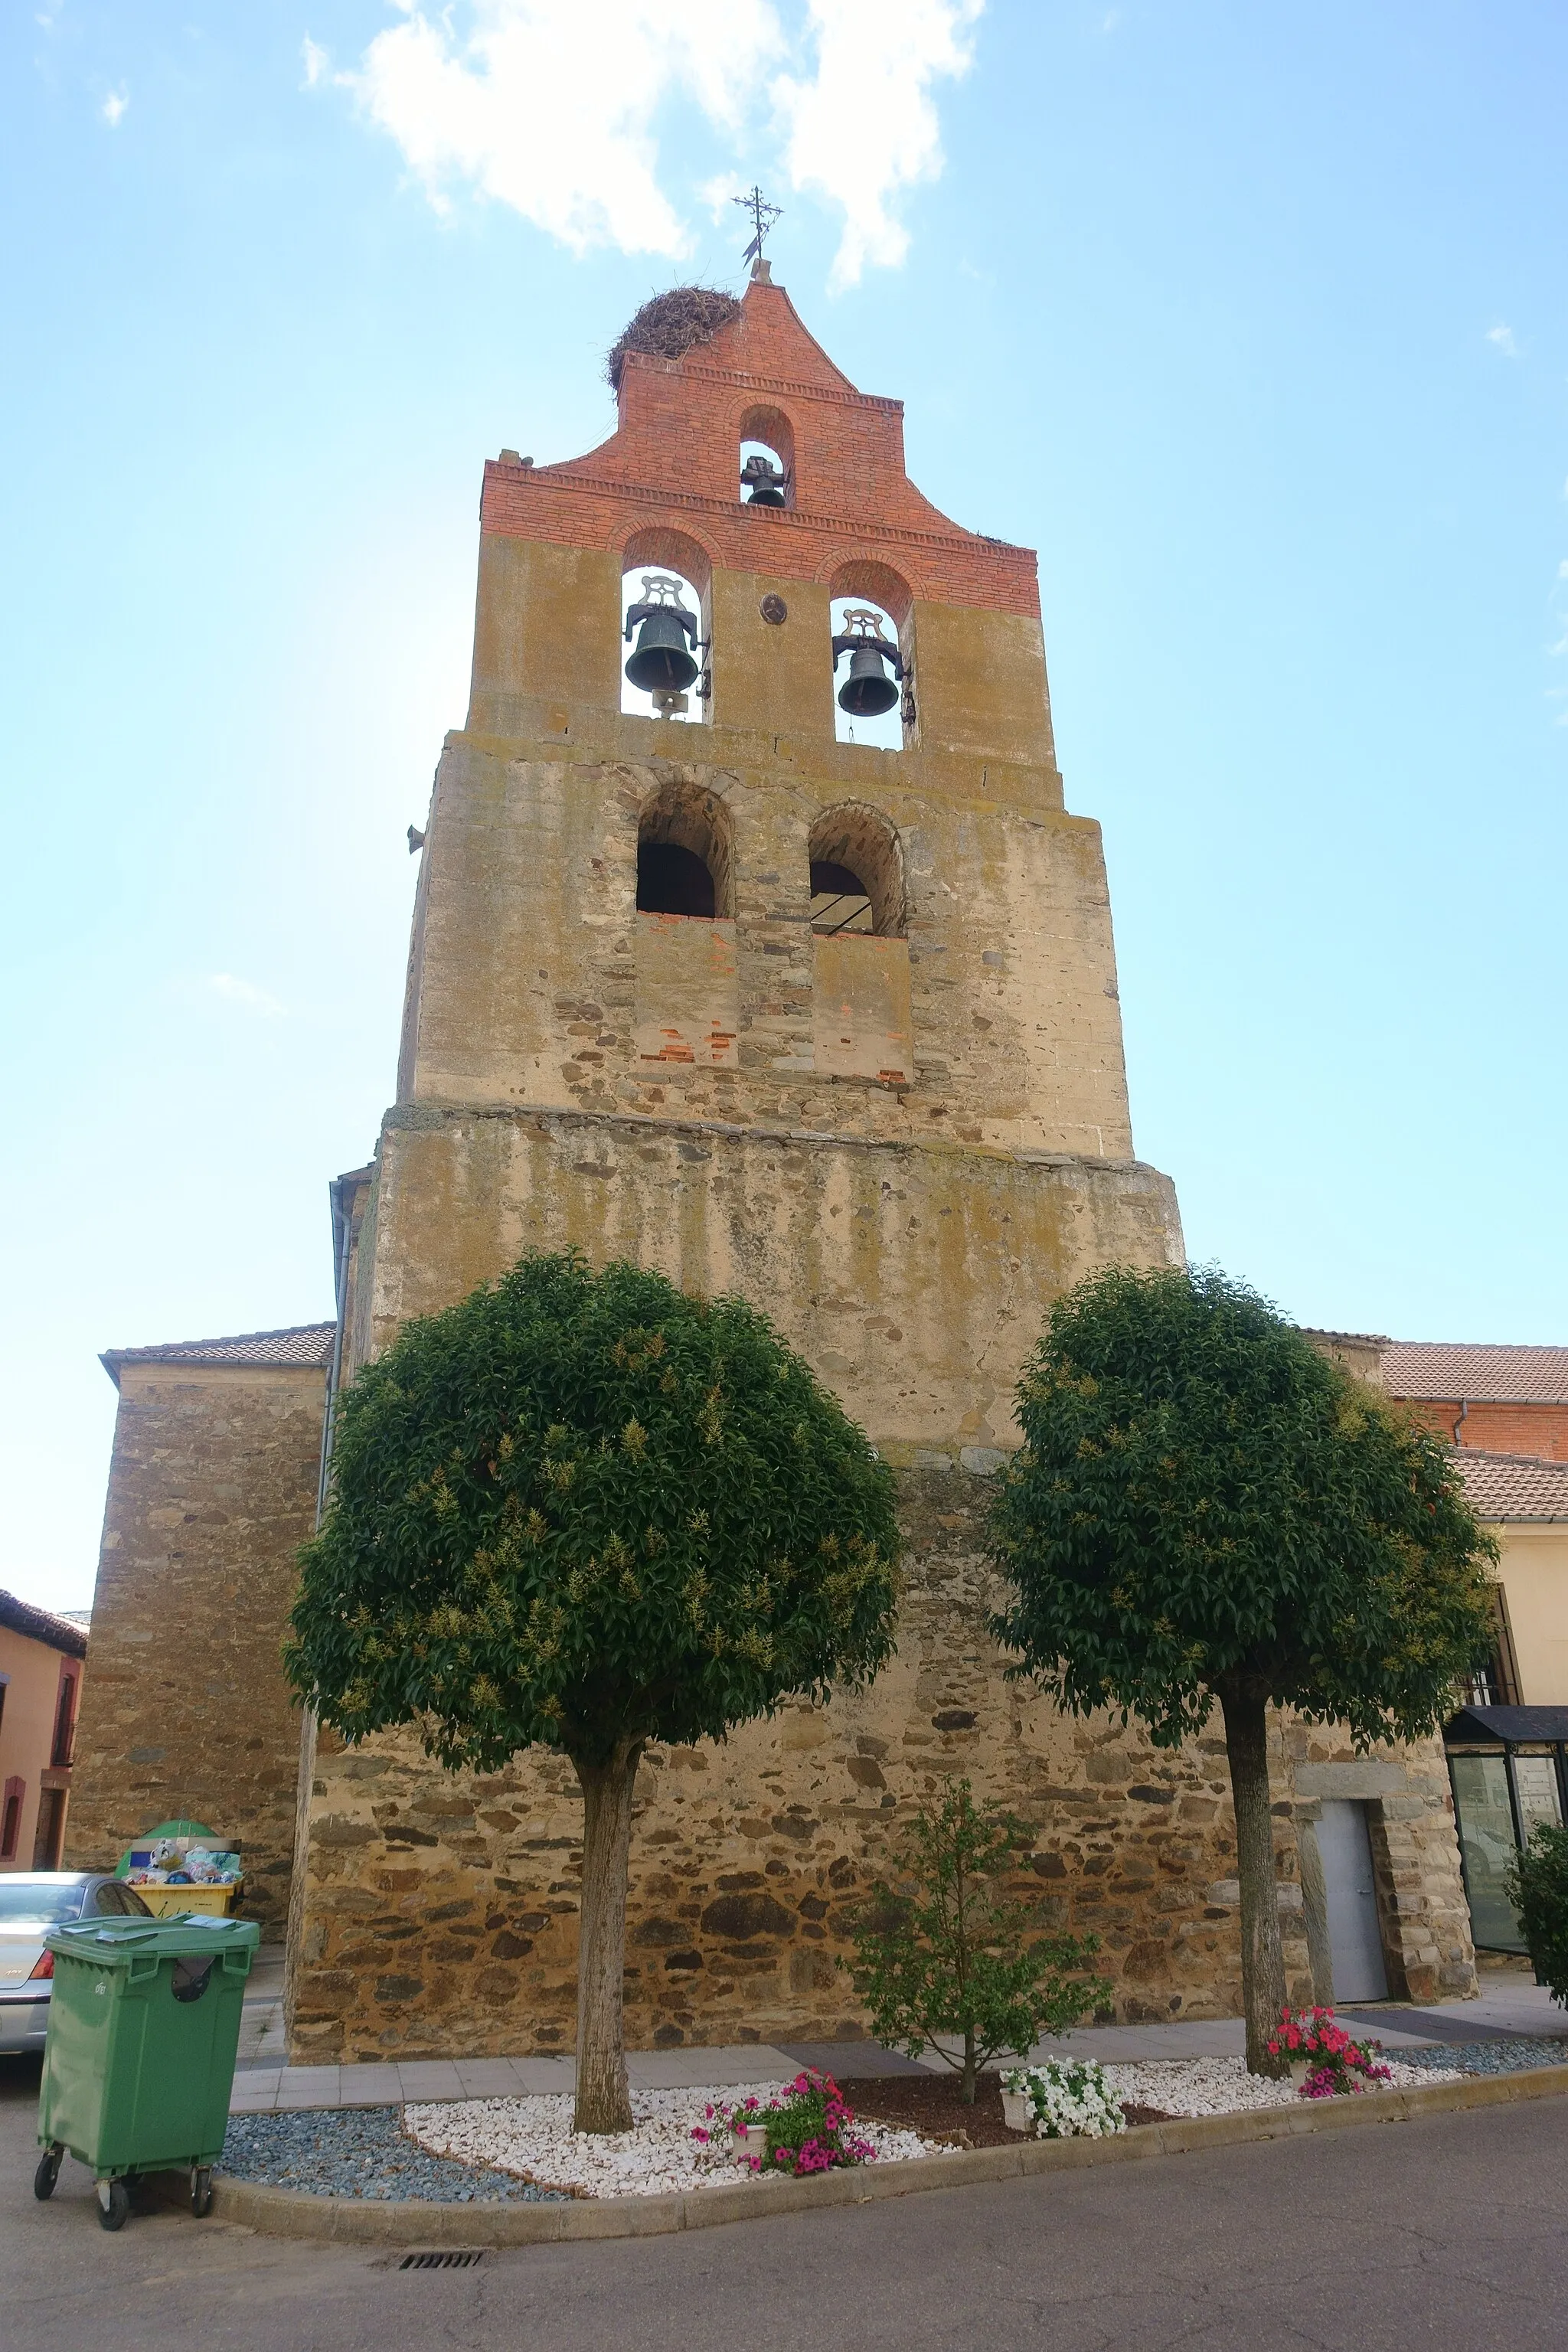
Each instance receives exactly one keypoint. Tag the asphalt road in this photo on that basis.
(1446, 2235)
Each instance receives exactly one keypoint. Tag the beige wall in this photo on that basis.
(1534, 1574)
(440, 1911)
(28, 1730)
(212, 1489)
(536, 983)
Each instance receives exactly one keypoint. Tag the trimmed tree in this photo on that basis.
(1206, 1509)
(582, 1511)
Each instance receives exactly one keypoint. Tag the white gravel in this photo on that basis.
(1222, 2086)
(533, 2138)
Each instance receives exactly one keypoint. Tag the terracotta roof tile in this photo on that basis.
(42, 1625)
(303, 1344)
(1513, 1486)
(1412, 1368)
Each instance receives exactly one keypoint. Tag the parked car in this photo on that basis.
(31, 1901)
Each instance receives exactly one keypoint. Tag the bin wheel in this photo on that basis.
(48, 2173)
(201, 2191)
(113, 2204)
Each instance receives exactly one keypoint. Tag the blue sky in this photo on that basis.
(1251, 320)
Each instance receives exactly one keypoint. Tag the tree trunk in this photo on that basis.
(969, 2064)
(603, 2103)
(1262, 1958)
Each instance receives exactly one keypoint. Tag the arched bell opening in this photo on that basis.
(767, 458)
(856, 874)
(872, 611)
(684, 856)
(665, 634)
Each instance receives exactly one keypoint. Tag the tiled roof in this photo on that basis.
(302, 1344)
(1414, 1368)
(42, 1625)
(1513, 1486)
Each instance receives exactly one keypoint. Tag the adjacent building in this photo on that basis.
(41, 1667)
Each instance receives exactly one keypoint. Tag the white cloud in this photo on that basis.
(548, 105)
(316, 61)
(244, 992)
(551, 105)
(113, 108)
(866, 127)
(1501, 338)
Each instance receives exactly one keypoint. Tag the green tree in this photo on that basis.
(960, 1959)
(1537, 1884)
(1204, 1509)
(583, 1511)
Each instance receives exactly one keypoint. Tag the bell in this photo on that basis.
(764, 482)
(868, 690)
(662, 662)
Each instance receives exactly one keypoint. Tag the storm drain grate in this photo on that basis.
(443, 2260)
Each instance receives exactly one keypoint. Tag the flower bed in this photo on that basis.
(532, 2139)
(1220, 2087)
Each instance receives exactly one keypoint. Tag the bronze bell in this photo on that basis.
(868, 690)
(663, 661)
(765, 481)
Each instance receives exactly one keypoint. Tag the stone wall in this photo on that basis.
(212, 1489)
(441, 1913)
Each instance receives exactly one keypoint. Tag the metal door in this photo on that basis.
(1355, 1938)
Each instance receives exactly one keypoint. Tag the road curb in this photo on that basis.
(351, 2220)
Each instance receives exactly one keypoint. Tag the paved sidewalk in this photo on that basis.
(264, 2082)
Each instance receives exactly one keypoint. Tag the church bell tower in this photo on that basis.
(752, 942)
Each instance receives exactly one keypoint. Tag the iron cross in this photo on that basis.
(764, 215)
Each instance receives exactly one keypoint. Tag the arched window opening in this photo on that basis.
(872, 698)
(856, 874)
(767, 458)
(664, 674)
(684, 856)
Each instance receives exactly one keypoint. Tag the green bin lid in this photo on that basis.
(115, 1943)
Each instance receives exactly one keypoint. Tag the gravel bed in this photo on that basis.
(1222, 2086)
(1488, 2057)
(531, 2138)
(358, 2152)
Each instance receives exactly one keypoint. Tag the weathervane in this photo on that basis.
(764, 215)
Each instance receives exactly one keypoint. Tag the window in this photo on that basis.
(767, 459)
(856, 873)
(64, 1721)
(664, 626)
(684, 855)
(872, 613)
(11, 1819)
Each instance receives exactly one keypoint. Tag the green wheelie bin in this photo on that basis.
(138, 2061)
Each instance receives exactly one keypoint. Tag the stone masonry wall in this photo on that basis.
(441, 1914)
(212, 1488)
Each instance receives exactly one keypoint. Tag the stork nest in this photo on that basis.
(671, 324)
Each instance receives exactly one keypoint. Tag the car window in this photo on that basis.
(131, 1903)
(110, 1898)
(45, 1899)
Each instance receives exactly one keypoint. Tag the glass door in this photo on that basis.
(1485, 1812)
